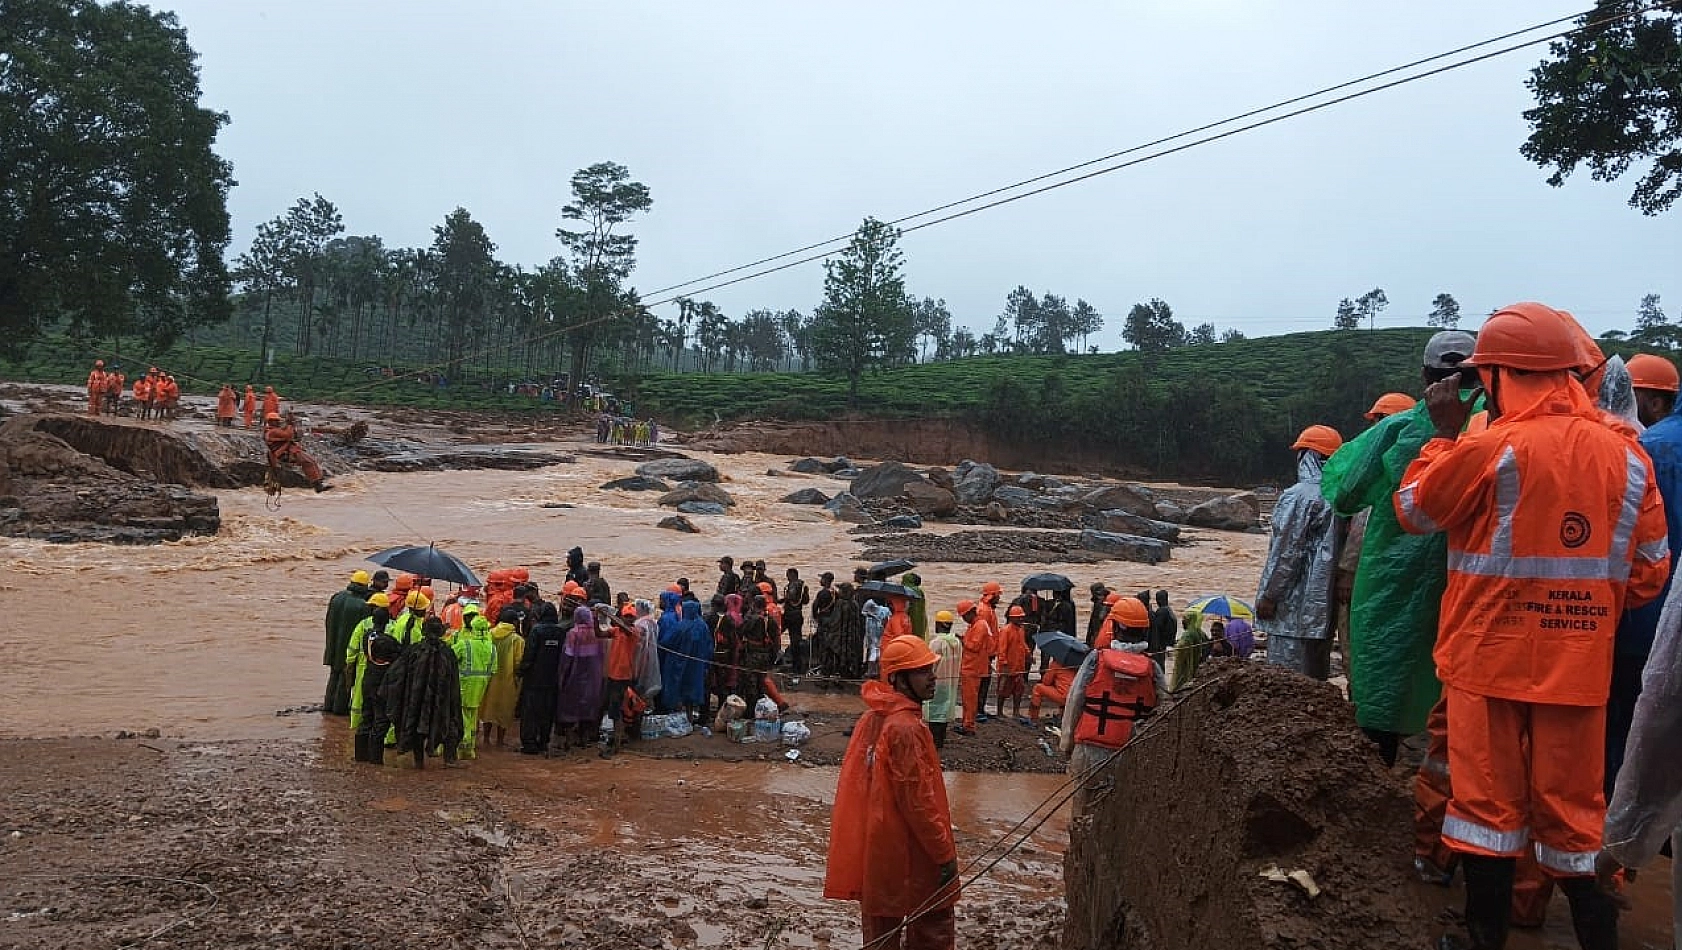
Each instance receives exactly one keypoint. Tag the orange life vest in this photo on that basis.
(1121, 691)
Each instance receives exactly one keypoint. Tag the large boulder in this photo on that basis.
(636, 483)
(930, 499)
(678, 523)
(1125, 522)
(886, 480)
(808, 466)
(679, 469)
(1170, 512)
(974, 482)
(1013, 497)
(1133, 499)
(942, 477)
(701, 508)
(847, 507)
(1031, 480)
(903, 521)
(1124, 547)
(805, 496)
(1231, 513)
(697, 492)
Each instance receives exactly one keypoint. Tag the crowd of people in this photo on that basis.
(613, 429)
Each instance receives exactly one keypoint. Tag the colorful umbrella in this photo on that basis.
(1221, 605)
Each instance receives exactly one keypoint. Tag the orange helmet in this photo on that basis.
(1533, 337)
(1322, 439)
(964, 607)
(907, 652)
(271, 417)
(1647, 371)
(571, 590)
(1112, 598)
(991, 587)
(1016, 611)
(1389, 404)
(1130, 612)
(765, 587)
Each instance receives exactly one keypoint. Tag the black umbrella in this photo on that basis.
(895, 590)
(427, 562)
(1054, 582)
(887, 569)
(1061, 647)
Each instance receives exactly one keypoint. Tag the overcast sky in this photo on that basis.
(760, 127)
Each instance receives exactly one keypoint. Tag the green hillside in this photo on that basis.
(1221, 409)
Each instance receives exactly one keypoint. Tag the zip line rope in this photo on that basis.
(549, 334)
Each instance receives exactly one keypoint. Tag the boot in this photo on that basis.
(361, 747)
(1594, 914)
(376, 751)
(1489, 898)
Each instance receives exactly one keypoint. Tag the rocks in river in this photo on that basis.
(1126, 547)
(636, 483)
(679, 469)
(687, 492)
(805, 496)
(679, 523)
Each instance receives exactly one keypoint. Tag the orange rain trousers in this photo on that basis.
(1522, 773)
(933, 930)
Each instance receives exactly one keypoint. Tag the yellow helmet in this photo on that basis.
(417, 601)
(359, 577)
(379, 600)
(945, 616)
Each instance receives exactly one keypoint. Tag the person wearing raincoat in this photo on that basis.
(918, 608)
(1400, 576)
(946, 645)
(891, 846)
(476, 660)
(356, 648)
(1117, 684)
(979, 646)
(502, 692)
(1189, 651)
(1294, 598)
(422, 693)
(348, 608)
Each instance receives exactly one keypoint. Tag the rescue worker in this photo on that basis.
(170, 397)
(227, 406)
(271, 401)
(250, 406)
(979, 645)
(890, 838)
(1053, 688)
(1656, 382)
(356, 654)
(1295, 594)
(407, 628)
(476, 663)
(96, 387)
(114, 383)
(347, 609)
(281, 437)
(372, 721)
(1117, 685)
(143, 396)
(1400, 577)
(539, 672)
(987, 609)
(1100, 610)
(1349, 553)
(1013, 664)
(950, 650)
(1554, 525)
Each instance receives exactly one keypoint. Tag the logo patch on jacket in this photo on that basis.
(1574, 530)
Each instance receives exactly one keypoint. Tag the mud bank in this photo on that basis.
(120, 843)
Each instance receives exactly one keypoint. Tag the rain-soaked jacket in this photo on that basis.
(476, 660)
(1400, 579)
(502, 694)
(686, 648)
(1554, 524)
(950, 649)
(1301, 563)
(1663, 443)
(1072, 707)
(1646, 805)
(891, 828)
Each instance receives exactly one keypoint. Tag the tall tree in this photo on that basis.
(263, 269)
(1610, 96)
(463, 278)
(1232, 335)
(1369, 305)
(933, 324)
(1020, 321)
(1348, 318)
(1445, 312)
(864, 319)
(310, 224)
(1055, 326)
(1085, 321)
(1151, 327)
(1202, 333)
(603, 198)
(712, 333)
(113, 205)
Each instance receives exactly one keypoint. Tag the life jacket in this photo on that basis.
(1122, 690)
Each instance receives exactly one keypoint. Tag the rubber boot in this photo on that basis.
(361, 747)
(1594, 915)
(1489, 898)
(376, 750)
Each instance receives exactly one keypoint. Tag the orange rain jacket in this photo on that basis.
(1554, 526)
(271, 401)
(891, 828)
(227, 403)
(1013, 649)
(980, 643)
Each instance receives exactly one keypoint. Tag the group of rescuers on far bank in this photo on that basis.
(1517, 548)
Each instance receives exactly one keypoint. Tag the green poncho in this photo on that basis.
(1399, 583)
